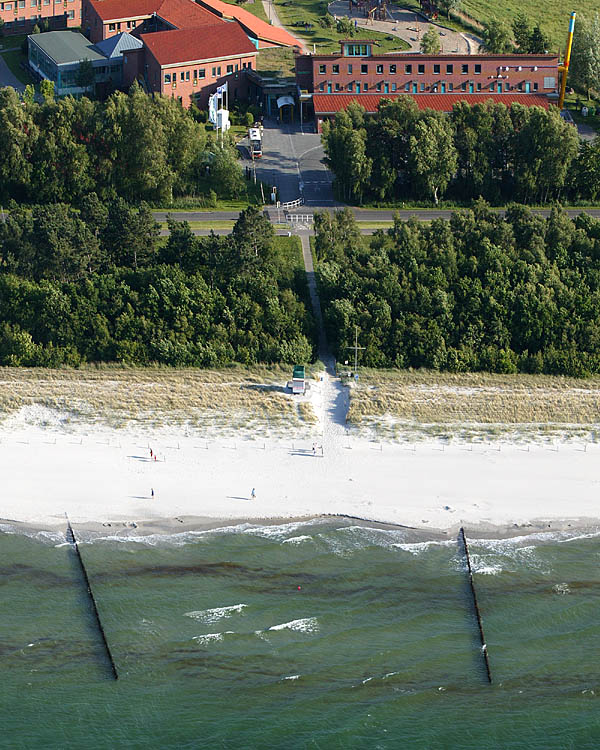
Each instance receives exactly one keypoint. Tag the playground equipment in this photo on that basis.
(429, 8)
(372, 10)
(564, 68)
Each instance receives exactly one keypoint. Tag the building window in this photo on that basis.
(450, 87)
(421, 70)
(230, 68)
(378, 87)
(187, 75)
(549, 82)
(202, 73)
(507, 86)
(535, 87)
(407, 86)
(365, 86)
(33, 3)
(335, 69)
(322, 69)
(422, 87)
(464, 70)
(364, 69)
(249, 66)
(214, 72)
(111, 26)
(393, 86)
(478, 87)
(449, 69)
(322, 86)
(463, 86)
(408, 69)
(350, 69)
(392, 69)
(436, 70)
(350, 87)
(21, 3)
(167, 78)
(477, 69)
(337, 87)
(379, 69)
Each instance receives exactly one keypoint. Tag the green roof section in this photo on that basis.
(298, 372)
(65, 47)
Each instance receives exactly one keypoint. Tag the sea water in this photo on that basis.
(322, 634)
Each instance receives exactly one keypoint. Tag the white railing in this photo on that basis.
(292, 204)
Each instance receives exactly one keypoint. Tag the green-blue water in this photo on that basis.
(379, 647)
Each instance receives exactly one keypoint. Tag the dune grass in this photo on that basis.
(236, 400)
(415, 405)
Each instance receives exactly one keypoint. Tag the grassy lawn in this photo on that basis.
(277, 62)
(553, 16)
(255, 7)
(326, 40)
(574, 102)
(14, 40)
(13, 59)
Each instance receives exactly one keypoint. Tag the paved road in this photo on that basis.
(7, 78)
(292, 161)
(361, 214)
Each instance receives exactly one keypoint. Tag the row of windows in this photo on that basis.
(21, 4)
(117, 26)
(21, 20)
(439, 87)
(200, 73)
(408, 69)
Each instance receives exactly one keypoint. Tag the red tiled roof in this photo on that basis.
(256, 26)
(327, 104)
(180, 13)
(208, 43)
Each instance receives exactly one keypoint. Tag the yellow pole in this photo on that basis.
(565, 65)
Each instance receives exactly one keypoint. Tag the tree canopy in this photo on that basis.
(132, 146)
(486, 150)
(94, 284)
(519, 293)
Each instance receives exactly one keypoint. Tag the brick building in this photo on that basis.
(20, 16)
(189, 66)
(356, 70)
(102, 19)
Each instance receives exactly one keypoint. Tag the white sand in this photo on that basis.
(98, 474)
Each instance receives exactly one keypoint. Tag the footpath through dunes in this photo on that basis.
(335, 398)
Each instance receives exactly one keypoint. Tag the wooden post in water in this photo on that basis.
(484, 652)
(72, 540)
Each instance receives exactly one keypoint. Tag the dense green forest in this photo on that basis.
(487, 150)
(132, 146)
(96, 284)
(477, 292)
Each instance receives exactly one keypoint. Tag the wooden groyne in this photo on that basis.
(484, 652)
(73, 540)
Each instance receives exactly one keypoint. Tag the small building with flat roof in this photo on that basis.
(57, 55)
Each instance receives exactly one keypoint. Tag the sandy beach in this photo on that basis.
(109, 477)
(165, 477)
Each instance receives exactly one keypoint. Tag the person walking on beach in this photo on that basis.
(150, 452)
(253, 494)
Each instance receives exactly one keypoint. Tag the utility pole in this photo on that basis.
(356, 348)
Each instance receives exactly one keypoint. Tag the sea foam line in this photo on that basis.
(210, 616)
(303, 625)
